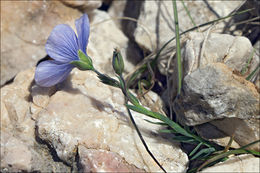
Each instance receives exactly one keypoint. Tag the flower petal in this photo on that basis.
(49, 73)
(82, 26)
(62, 44)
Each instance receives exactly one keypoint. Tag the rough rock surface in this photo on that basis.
(81, 118)
(201, 49)
(242, 163)
(93, 160)
(19, 149)
(86, 112)
(214, 92)
(25, 26)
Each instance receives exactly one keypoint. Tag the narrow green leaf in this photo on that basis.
(195, 149)
(250, 76)
(243, 71)
(167, 131)
(188, 13)
(161, 117)
(133, 99)
(203, 151)
(241, 150)
(157, 123)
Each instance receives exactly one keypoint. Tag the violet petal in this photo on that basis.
(82, 26)
(62, 44)
(49, 73)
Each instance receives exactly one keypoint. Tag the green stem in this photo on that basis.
(178, 47)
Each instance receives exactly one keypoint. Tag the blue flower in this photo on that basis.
(62, 46)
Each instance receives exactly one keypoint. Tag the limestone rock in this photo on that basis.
(15, 154)
(242, 163)
(93, 160)
(235, 52)
(86, 6)
(214, 92)
(25, 27)
(86, 112)
(105, 36)
(19, 149)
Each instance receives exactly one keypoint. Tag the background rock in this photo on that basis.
(156, 22)
(241, 163)
(105, 36)
(25, 26)
(85, 6)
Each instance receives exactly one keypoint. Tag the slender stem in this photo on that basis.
(178, 47)
(136, 127)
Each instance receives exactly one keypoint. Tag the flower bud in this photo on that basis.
(118, 62)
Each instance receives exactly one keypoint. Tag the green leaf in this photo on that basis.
(161, 117)
(184, 139)
(249, 77)
(195, 149)
(157, 123)
(108, 80)
(241, 150)
(166, 131)
(206, 151)
(132, 98)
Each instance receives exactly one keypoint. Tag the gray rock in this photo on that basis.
(214, 92)
(233, 51)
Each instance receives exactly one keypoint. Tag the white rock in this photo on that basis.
(19, 149)
(93, 115)
(242, 163)
(97, 160)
